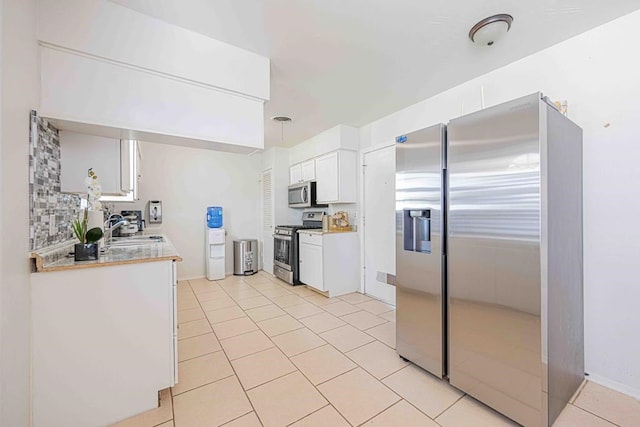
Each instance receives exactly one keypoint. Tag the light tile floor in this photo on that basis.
(254, 351)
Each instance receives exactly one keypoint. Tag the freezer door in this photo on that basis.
(419, 248)
(494, 278)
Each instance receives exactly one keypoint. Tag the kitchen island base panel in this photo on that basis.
(103, 342)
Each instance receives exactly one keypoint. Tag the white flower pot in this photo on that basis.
(95, 219)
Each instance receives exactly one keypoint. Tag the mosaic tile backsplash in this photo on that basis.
(46, 200)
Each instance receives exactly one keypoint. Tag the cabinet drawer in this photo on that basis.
(311, 239)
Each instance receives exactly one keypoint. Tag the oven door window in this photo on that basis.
(282, 250)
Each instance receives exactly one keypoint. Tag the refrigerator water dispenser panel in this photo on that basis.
(417, 230)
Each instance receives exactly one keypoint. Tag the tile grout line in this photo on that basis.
(235, 375)
(427, 415)
(388, 407)
(173, 407)
(396, 371)
(271, 380)
(317, 334)
(200, 386)
(583, 385)
(194, 336)
(243, 415)
(594, 414)
(336, 376)
(201, 355)
(448, 407)
(309, 414)
(274, 379)
(315, 386)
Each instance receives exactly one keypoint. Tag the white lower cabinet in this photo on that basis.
(104, 342)
(174, 320)
(329, 262)
(310, 263)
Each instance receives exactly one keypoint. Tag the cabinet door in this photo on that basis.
(308, 170)
(174, 329)
(327, 178)
(126, 165)
(310, 263)
(295, 174)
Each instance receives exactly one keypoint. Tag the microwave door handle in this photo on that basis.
(304, 194)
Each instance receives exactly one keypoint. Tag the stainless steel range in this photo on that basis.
(285, 246)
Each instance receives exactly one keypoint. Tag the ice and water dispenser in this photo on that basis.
(215, 244)
(417, 230)
(245, 251)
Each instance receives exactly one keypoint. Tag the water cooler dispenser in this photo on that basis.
(215, 244)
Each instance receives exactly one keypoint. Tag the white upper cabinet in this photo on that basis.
(329, 158)
(295, 174)
(111, 159)
(308, 170)
(336, 177)
(305, 171)
(156, 81)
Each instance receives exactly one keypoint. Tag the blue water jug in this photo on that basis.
(214, 216)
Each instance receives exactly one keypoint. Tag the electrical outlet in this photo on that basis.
(52, 225)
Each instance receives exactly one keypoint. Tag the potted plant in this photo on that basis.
(88, 248)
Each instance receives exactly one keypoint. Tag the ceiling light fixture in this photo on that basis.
(491, 29)
(282, 120)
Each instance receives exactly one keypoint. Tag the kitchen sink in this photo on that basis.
(135, 241)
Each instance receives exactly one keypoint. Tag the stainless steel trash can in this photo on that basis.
(245, 257)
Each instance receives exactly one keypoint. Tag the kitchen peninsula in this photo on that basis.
(104, 332)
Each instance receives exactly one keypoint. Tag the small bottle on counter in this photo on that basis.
(325, 223)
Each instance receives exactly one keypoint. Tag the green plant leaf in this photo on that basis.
(77, 230)
(94, 235)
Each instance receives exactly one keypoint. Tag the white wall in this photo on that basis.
(19, 90)
(187, 180)
(276, 160)
(598, 74)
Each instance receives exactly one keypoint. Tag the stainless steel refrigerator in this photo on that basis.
(513, 250)
(420, 266)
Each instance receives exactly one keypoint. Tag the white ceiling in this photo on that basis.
(354, 61)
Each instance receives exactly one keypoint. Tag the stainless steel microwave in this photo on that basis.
(303, 195)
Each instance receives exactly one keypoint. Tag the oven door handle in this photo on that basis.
(282, 237)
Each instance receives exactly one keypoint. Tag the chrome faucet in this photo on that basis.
(108, 225)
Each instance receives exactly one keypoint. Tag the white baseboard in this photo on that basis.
(614, 385)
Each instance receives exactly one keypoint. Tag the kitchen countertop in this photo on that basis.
(320, 232)
(56, 258)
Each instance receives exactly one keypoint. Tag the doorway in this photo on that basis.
(379, 223)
